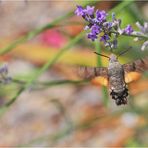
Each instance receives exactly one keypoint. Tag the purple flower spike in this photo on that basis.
(92, 36)
(108, 25)
(101, 15)
(128, 30)
(4, 74)
(4, 69)
(104, 38)
(95, 29)
(79, 11)
(97, 23)
(145, 45)
(144, 28)
(89, 10)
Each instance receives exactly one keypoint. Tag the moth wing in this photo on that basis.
(140, 65)
(132, 76)
(98, 75)
(92, 72)
(100, 81)
(133, 70)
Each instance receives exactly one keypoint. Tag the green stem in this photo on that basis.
(120, 6)
(44, 68)
(136, 13)
(99, 64)
(132, 35)
(37, 31)
(50, 83)
(33, 33)
(138, 35)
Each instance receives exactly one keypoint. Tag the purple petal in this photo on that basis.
(128, 30)
(104, 38)
(92, 36)
(95, 29)
(108, 25)
(89, 10)
(4, 69)
(79, 11)
(101, 15)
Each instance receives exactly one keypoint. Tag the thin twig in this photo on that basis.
(43, 69)
(99, 63)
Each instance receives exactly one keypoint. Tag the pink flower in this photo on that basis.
(53, 38)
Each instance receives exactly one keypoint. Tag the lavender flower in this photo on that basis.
(92, 36)
(144, 28)
(3, 69)
(107, 26)
(101, 15)
(97, 24)
(95, 29)
(128, 30)
(89, 10)
(144, 46)
(4, 74)
(79, 11)
(143, 32)
(104, 38)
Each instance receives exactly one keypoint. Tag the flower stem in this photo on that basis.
(137, 35)
(36, 75)
(33, 33)
(133, 34)
(50, 83)
(99, 64)
(37, 31)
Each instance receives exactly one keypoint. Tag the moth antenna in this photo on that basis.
(101, 55)
(123, 52)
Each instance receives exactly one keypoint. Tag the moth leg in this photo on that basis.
(125, 92)
(125, 101)
(113, 94)
(118, 101)
(121, 101)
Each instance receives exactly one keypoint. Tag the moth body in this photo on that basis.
(117, 84)
(115, 76)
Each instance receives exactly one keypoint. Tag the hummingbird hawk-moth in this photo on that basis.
(115, 76)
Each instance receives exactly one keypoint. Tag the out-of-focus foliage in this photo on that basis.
(46, 104)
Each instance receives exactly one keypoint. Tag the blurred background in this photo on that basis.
(46, 104)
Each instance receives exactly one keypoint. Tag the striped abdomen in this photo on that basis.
(117, 84)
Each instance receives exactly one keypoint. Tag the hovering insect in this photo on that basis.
(116, 75)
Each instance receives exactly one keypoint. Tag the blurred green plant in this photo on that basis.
(99, 64)
(33, 79)
(50, 62)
